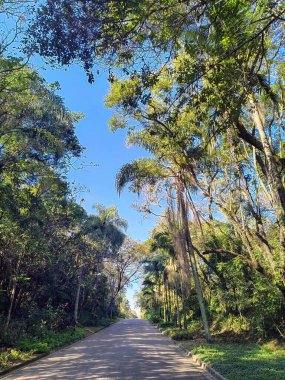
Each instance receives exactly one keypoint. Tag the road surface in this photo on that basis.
(130, 349)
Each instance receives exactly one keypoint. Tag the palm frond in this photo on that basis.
(138, 174)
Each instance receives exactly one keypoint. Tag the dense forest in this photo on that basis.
(200, 86)
(50, 247)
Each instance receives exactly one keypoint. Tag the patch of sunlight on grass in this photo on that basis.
(11, 356)
(248, 361)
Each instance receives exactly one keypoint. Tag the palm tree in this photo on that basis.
(149, 171)
(106, 229)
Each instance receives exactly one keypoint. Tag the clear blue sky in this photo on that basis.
(105, 149)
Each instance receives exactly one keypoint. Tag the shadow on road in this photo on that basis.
(129, 349)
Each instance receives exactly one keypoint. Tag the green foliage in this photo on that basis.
(104, 322)
(165, 325)
(255, 303)
(178, 334)
(153, 317)
(139, 173)
(87, 318)
(50, 340)
(25, 348)
(10, 356)
(50, 247)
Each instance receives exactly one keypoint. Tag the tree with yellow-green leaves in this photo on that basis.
(51, 251)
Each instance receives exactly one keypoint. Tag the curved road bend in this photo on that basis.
(129, 349)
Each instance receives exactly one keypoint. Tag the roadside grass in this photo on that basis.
(8, 357)
(242, 361)
(50, 341)
(231, 355)
(30, 347)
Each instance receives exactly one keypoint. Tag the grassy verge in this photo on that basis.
(235, 361)
(242, 361)
(30, 347)
(13, 356)
(50, 341)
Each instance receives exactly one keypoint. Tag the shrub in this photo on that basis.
(88, 318)
(195, 327)
(182, 335)
(155, 319)
(10, 356)
(104, 322)
(178, 334)
(165, 325)
(9, 338)
(50, 341)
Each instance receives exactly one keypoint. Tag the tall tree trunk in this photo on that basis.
(76, 304)
(177, 309)
(185, 223)
(164, 305)
(274, 177)
(12, 298)
(13, 291)
(168, 305)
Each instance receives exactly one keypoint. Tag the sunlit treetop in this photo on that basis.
(138, 34)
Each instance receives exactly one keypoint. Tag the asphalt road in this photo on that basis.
(129, 349)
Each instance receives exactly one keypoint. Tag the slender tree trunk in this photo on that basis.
(13, 292)
(184, 217)
(184, 312)
(111, 307)
(12, 298)
(79, 279)
(274, 177)
(183, 300)
(167, 295)
(177, 310)
(164, 304)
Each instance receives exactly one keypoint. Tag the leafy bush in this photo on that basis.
(50, 341)
(104, 322)
(88, 318)
(178, 334)
(10, 356)
(165, 325)
(40, 321)
(182, 335)
(155, 319)
(195, 326)
(251, 304)
(9, 338)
